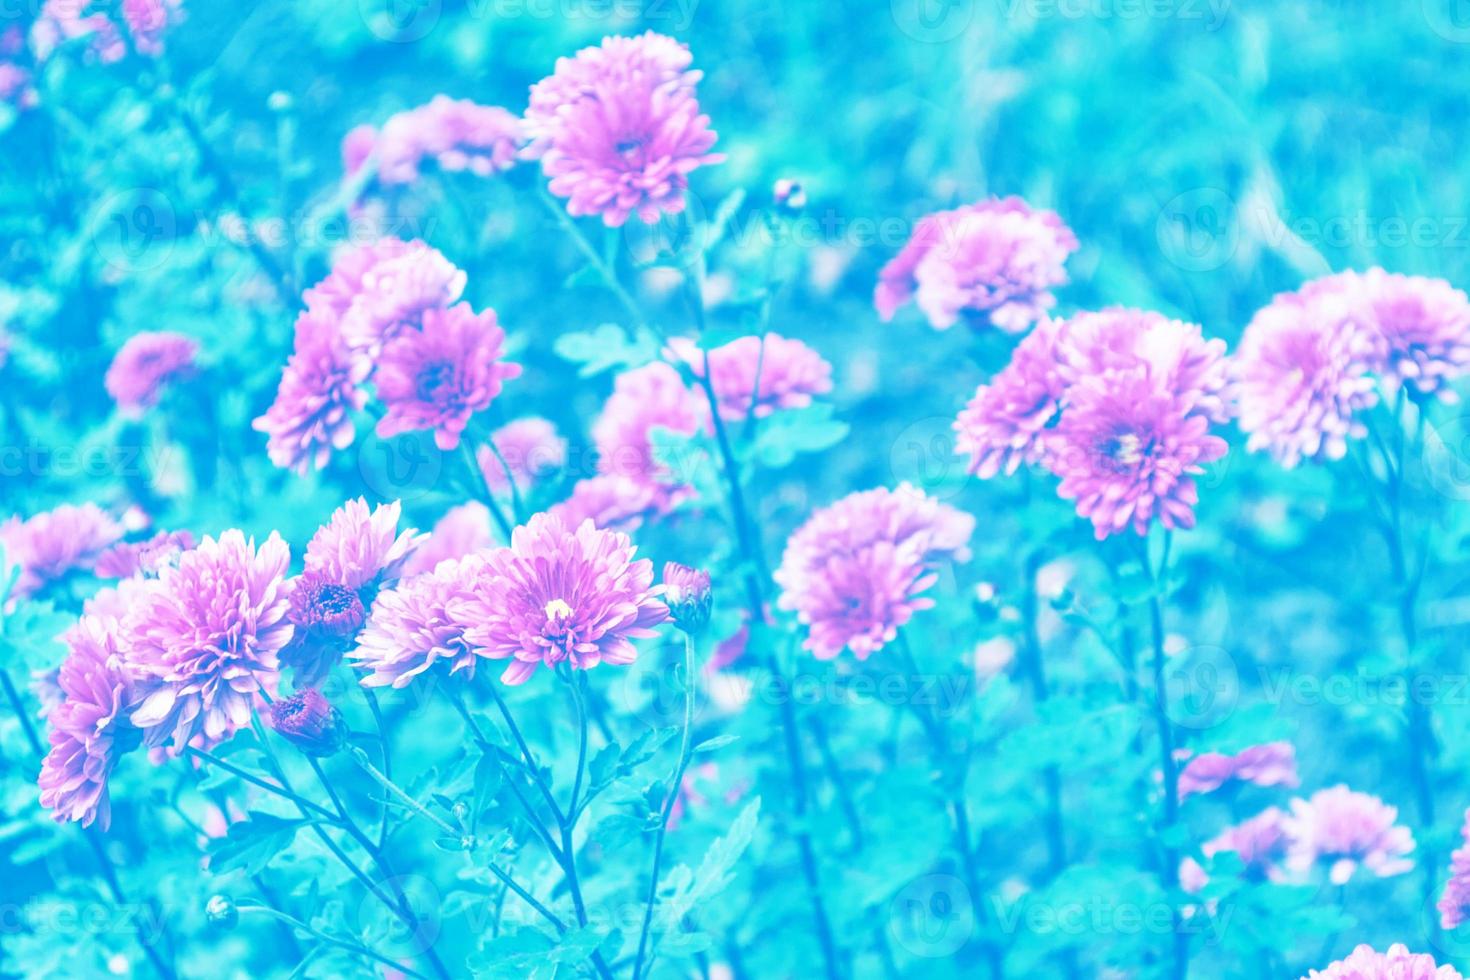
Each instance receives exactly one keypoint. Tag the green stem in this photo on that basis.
(320, 936)
(671, 796)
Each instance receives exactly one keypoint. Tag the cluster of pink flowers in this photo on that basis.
(555, 595)
(856, 571)
(1271, 764)
(996, 261)
(1260, 842)
(618, 130)
(455, 134)
(387, 315)
(1365, 963)
(54, 543)
(16, 88)
(1310, 363)
(644, 399)
(144, 366)
(1118, 404)
(755, 376)
(143, 21)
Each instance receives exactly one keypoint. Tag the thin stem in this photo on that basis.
(609, 277)
(517, 507)
(316, 934)
(377, 712)
(1169, 873)
(300, 801)
(360, 757)
(482, 488)
(671, 796)
(1035, 668)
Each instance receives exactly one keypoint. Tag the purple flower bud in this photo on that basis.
(688, 595)
(308, 721)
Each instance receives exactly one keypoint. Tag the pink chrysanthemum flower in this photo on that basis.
(437, 377)
(856, 571)
(530, 447)
(419, 623)
(90, 729)
(613, 502)
(347, 561)
(1260, 843)
(1002, 425)
(1303, 371)
(359, 548)
(375, 292)
(55, 542)
(145, 365)
(1343, 830)
(1365, 963)
(143, 557)
(147, 21)
(1126, 451)
(558, 595)
(463, 530)
(1455, 900)
(456, 134)
(758, 375)
(618, 129)
(1425, 327)
(644, 398)
(202, 641)
(320, 391)
(998, 258)
(1271, 764)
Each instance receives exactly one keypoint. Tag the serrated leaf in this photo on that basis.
(786, 435)
(605, 348)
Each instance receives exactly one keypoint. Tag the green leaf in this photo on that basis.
(606, 348)
(785, 435)
(715, 872)
(719, 741)
(252, 843)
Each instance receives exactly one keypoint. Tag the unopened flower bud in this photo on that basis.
(310, 722)
(790, 196)
(689, 596)
(221, 912)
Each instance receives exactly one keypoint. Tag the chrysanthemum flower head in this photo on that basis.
(1344, 830)
(320, 392)
(856, 571)
(1271, 764)
(758, 375)
(1455, 899)
(202, 640)
(563, 595)
(419, 623)
(688, 595)
(612, 501)
(530, 448)
(456, 134)
(143, 557)
(1425, 328)
(644, 398)
(357, 548)
(1126, 452)
(1365, 963)
(998, 258)
(1303, 371)
(145, 365)
(463, 530)
(438, 376)
(90, 729)
(394, 286)
(618, 128)
(53, 543)
(1002, 425)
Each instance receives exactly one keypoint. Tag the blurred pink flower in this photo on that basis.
(456, 134)
(644, 398)
(437, 377)
(856, 571)
(1364, 963)
(1271, 764)
(53, 543)
(1455, 900)
(618, 128)
(530, 447)
(1425, 328)
(202, 640)
(998, 258)
(144, 365)
(90, 729)
(1343, 830)
(758, 375)
(613, 502)
(559, 594)
(463, 530)
(143, 557)
(1303, 371)
(320, 390)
